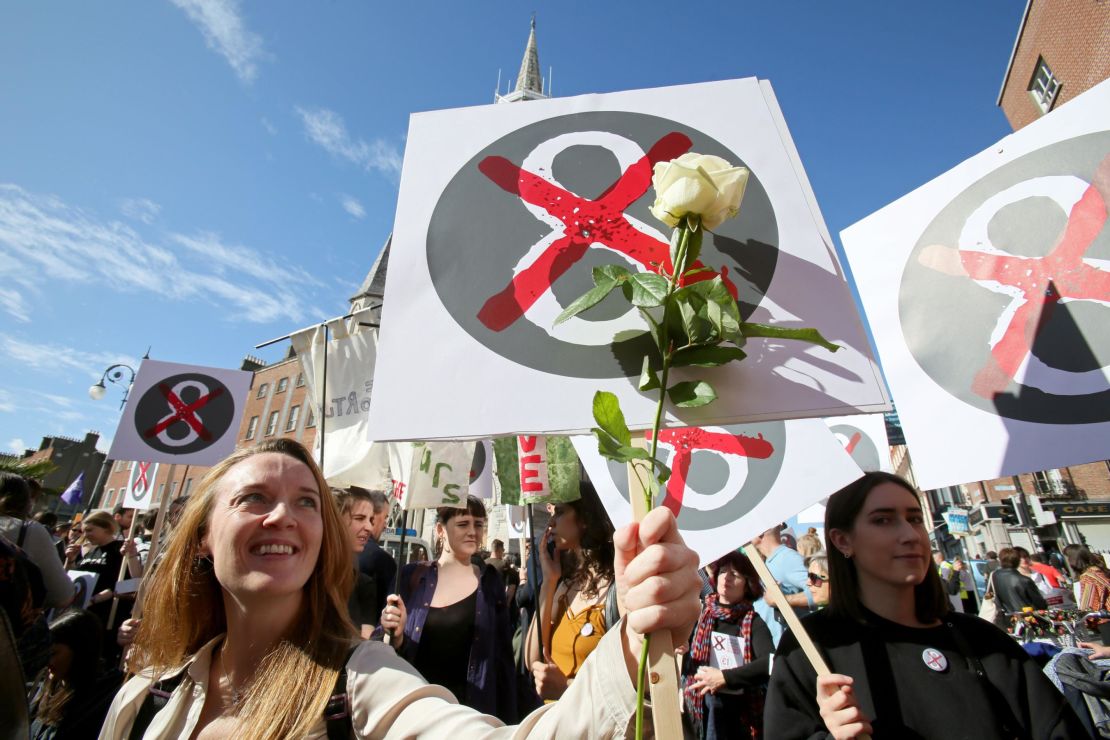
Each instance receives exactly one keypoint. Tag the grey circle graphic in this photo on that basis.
(945, 316)
(478, 465)
(708, 474)
(478, 232)
(215, 417)
(865, 454)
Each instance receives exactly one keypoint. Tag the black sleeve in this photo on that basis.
(113, 560)
(753, 674)
(790, 712)
(506, 673)
(1032, 595)
(364, 602)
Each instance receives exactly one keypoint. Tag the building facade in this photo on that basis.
(71, 457)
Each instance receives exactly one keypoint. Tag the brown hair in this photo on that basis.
(753, 587)
(474, 507)
(594, 563)
(103, 520)
(184, 611)
(1009, 557)
(930, 600)
(345, 498)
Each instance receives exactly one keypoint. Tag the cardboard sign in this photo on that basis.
(504, 211)
(183, 414)
(731, 483)
(481, 470)
(728, 650)
(139, 493)
(84, 583)
(431, 474)
(864, 438)
(536, 470)
(988, 292)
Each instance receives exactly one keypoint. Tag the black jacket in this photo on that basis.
(1015, 591)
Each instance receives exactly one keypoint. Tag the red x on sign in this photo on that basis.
(585, 222)
(183, 412)
(686, 441)
(141, 482)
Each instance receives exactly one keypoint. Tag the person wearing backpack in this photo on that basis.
(51, 587)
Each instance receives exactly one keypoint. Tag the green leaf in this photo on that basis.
(653, 327)
(677, 237)
(664, 471)
(693, 247)
(610, 273)
(778, 332)
(697, 327)
(589, 299)
(608, 415)
(611, 449)
(649, 381)
(711, 356)
(691, 394)
(648, 289)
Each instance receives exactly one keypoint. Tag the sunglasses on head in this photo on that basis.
(817, 579)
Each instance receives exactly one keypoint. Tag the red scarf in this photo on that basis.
(712, 613)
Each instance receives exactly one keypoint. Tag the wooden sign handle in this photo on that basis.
(666, 708)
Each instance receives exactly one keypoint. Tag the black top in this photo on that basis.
(904, 697)
(363, 602)
(444, 653)
(105, 561)
(1016, 591)
(379, 565)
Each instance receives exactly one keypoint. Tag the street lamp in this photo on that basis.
(114, 374)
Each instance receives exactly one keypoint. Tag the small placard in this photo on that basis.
(728, 650)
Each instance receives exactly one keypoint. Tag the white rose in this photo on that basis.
(698, 184)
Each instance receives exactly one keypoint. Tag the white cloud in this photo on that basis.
(6, 404)
(271, 129)
(327, 129)
(17, 445)
(44, 241)
(225, 33)
(12, 302)
(46, 356)
(140, 209)
(352, 206)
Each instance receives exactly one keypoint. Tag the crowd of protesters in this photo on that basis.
(270, 608)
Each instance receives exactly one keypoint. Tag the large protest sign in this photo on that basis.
(730, 483)
(988, 291)
(864, 438)
(183, 414)
(342, 399)
(431, 474)
(139, 493)
(536, 470)
(504, 211)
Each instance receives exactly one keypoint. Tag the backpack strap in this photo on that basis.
(157, 696)
(22, 535)
(337, 713)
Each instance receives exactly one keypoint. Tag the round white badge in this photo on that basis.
(587, 630)
(935, 659)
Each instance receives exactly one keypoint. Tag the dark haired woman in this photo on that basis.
(73, 696)
(1094, 584)
(457, 628)
(725, 674)
(904, 665)
(577, 603)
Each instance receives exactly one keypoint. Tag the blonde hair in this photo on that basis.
(809, 544)
(103, 520)
(184, 610)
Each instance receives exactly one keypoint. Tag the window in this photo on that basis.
(271, 425)
(161, 490)
(119, 465)
(109, 498)
(173, 490)
(252, 428)
(188, 485)
(1044, 86)
(294, 416)
(262, 390)
(300, 379)
(282, 385)
(311, 421)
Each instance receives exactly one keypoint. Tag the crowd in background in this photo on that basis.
(511, 637)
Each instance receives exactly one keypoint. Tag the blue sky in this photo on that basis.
(203, 175)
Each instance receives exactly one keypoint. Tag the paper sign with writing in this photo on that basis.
(728, 650)
(437, 473)
(140, 486)
(534, 470)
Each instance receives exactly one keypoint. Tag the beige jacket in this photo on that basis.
(389, 699)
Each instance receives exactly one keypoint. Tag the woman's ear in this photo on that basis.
(842, 541)
(204, 550)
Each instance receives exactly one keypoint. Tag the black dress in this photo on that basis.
(444, 654)
(363, 602)
(920, 682)
(105, 561)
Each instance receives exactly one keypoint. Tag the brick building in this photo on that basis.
(71, 457)
(1062, 49)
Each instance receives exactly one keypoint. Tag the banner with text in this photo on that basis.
(536, 470)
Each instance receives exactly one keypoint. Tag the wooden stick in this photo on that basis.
(771, 586)
(155, 544)
(122, 571)
(666, 708)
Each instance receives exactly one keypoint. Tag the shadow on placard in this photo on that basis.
(1062, 346)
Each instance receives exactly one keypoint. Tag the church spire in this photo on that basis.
(529, 81)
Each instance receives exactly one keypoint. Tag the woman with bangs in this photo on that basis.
(903, 664)
(456, 629)
(245, 631)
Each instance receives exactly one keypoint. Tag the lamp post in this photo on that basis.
(113, 374)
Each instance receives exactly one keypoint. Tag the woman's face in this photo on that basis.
(98, 535)
(75, 533)
(61, 659)
(359, 519)
(566, 527)
(265, 527)
(819, 584)
(463, 534)
(731, 585)
(888, 542)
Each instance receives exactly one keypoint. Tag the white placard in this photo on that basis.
(727, 650)
(503, 212)
(184, 414)
(431, 474)
(139, 493)
(864, 438)
(730, 483)
(988, 292)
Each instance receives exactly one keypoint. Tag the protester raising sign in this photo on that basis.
(730, 483)
(431, 474)
(988, 293)
(536, 470)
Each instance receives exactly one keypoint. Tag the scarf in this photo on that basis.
(700, 648)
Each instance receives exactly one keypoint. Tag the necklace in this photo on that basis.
(236, 695)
